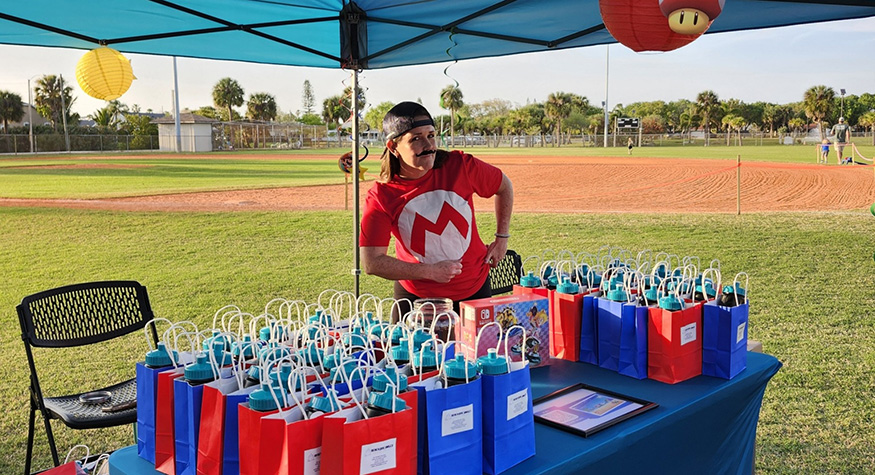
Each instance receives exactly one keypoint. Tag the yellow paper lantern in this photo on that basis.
(104, 73)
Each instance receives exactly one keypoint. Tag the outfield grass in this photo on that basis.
(40, 177)
(811, 279)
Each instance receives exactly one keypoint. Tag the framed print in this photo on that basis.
(585, 410)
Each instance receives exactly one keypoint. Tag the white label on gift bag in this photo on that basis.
(312, 458)
(378, 456)
(688, 333)
(459, 419)
(517, 403)
(740, 335)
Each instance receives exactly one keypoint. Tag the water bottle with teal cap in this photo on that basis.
(420, 336)
(671, 303)
(217, 337)
(568, 287)
(427, 358)
(200, 371)
(324, 404)
(222, 357)
(244, 350)
(264, 398)
(492, 364)
(530, 281)
(380, 404)
(728, 297)
(400, 352)
(160, 357)
(390, 374)
(460, 371)
(355, 338)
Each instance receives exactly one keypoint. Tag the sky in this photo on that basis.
(772, 65)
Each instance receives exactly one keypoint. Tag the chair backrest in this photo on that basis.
(82, 314)
(506, 274)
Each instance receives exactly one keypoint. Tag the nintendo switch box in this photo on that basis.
(514, 313)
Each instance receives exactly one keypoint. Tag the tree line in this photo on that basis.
(561, 115)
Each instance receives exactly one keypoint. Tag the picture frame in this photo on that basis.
(584, 410)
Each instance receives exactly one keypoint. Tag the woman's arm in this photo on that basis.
(375, 261)
(503, 210)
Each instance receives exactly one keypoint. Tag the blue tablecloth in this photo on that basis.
(704, 425)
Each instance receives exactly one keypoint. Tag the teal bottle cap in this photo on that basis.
(254, 372)
(397, 335)
(348, 367)
(426, 358)
(244, 349)
(321, 317)
(222, 357)
(458, 368)
(568, 287)
(671, 303)
(728, 289)
(264, 334)
(651, 294)
(312, 355)
(333, 360)
(328, 403)
(553, 280)
(262, 400)
(420, 337)
(381, 380)
(200, 370)
(159, 357)
(530, 281)
(400, 352)
(354, 338)
(617, 294)
(386, 400)
(491, 363)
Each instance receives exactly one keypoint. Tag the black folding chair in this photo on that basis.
(506, 274)
(77, 315)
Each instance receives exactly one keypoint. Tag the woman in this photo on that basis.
(424, 198)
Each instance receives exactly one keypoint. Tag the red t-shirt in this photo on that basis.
(432, 219)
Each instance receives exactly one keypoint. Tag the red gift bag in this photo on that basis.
(353, 444)
(674, 343)
(213, 432)
(165, 444)
(291, 443)
(566, 309)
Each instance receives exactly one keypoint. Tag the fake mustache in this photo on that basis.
(426, 152)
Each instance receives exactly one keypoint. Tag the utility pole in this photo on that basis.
(605, 104)
(64, 113)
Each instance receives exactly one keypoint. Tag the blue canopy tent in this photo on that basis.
(367, 34)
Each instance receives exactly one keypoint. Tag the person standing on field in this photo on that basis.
(842, 133)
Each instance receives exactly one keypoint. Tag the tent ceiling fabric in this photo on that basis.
(369, 34)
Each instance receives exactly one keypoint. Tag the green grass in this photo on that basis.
(811, 279)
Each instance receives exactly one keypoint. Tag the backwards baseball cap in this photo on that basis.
(841, 119)
(402, 118)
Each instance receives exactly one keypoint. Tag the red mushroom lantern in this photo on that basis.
(641, 25)
(690, 17)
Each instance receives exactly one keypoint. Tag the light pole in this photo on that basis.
(605, 104)
(64, 113)
(30, 113)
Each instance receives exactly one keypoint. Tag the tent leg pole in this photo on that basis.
(357, 271)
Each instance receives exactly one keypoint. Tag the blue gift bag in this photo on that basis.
(724, 339)
(186, 424)
(633, 341)
(508, 419)
(609, 315)
(450, 427)
(589, 331)
(147, 400)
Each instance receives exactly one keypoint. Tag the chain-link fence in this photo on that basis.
(48, 143)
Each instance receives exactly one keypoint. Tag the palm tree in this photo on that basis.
(796, 124)
(706, 102)
(334, 112)
(817, 102)
(48, 100)
(261, 106)
(10, 109)
(227, 93)
(451, 99)
(868, 120)
(559, 107)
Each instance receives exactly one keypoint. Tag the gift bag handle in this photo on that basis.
(497, 343)
(746, 287)
(437, 317)
(223, 312)
(441, 369)
(714, 273)
(73, 449)
(154, 323)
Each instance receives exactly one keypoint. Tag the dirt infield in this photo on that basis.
(575, 185)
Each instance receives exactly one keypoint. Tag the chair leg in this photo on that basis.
(51, 438)
(30, 431)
